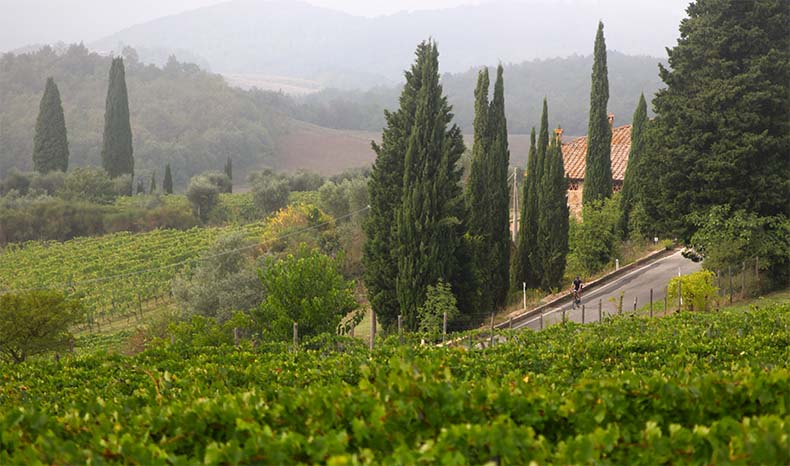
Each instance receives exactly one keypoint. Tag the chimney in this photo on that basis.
(558, 134)
(611, 120)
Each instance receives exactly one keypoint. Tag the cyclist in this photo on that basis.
(577, 290)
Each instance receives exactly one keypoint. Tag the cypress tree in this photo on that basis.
(499, 205)
(527, 234)
(167, 182)
(543, 138)
(385, 189)
(152, 187)
(50, 144)
(598, 170)
(229, 172)
(630, 195)
(427, 223)
(535, 260)
(553, 219)
(140, 187)
(117, 154)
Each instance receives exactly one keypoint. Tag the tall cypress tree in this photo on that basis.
(553, 219)
(427, 223)
(167, 181)
(229, 172)
(633, 175)
(499, 205)
(152, 187)
(117, 155)
(50, 143)
(535, 260)
(385, 189)
(598, 170)
(543, 138)
(527, 234)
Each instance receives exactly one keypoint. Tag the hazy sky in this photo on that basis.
(24, 22)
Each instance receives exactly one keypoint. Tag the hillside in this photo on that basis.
(299, 40)
(180, 114)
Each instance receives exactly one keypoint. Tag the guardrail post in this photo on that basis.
(651, 303)
(635, 301)
(582, 313)
(510, 323)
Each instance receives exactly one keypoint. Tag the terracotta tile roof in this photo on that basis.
(574, 154)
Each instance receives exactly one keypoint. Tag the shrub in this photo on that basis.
(270, 193)
(593, 242)
(88, 184)
(698, 290)
(438, 300)
(220, 180)
(203, 195)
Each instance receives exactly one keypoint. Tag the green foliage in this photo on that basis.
(307, 288)
(88, 185)
(721, 135)
(50, 143)
(197, 331)
(728, 238)
(341, 199)
(167, 181)
(698, 290)
(229, 169)
(270, 193)
(222, 282)
(631, 197)
(203, 194)
(527, 233)
(140, 187)
(598, 170)
(553, 219)
(152, 186)
(593, 242)
(221, 180)
(439, 299)
(117, 153)
(36, 322)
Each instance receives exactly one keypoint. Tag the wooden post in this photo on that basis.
(666, 301)
(444, 327)
(236, 337)
(510, 323)
(635, 301)
(296, 336)
(757, 273)
(729, 270)
(680, 294)
(563, 316)
(743, 281)
(541, 320)
(400, 327)
(583, 313)
(491, 339)
(372, 328)
(651, 303)
(600, 310)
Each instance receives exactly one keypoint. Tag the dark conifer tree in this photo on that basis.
(152, 187)
(535, 260)
(167, 181)
(527, 234)
(140, 187)
(633, 177)
(117, 154)
(553, 219)
(50, 144)
(229, 172)
(598, 171)
(499, 194)
(427, 224)
(543, 138)
(385, 190)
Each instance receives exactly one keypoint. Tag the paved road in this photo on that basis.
(636, 283)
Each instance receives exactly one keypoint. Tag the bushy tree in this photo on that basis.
(220, 180)
(598, 169)
(270, 193)
(88, 184)
(439, 299)
(203, 195)
(307, 288)
(50, 144)
(117, 153)
(721, 135)
(593, 242)
(36, 322)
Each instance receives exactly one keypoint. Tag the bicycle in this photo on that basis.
(577, 298)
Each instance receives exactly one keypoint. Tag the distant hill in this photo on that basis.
(179, 114)
(565, 81)
(298, 40)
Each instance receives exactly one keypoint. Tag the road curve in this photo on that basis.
(636, 283)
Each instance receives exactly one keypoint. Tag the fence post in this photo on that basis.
(491, 339)
(757, 274)
(236, 338)
(400, 327)
(743, 281)
(296, 336)
(582, 313)
(651, 303)
(620, 307)
(680, 294)
(635, 300)
(510, 323)
(666, 301)
(541, 320)
(563, 316)
(444, 327)
(600, 310)
(729, 270)
(372, 328)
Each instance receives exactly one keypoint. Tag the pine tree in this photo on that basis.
(50, 144)
(152, 187)
(167, 182)
(229, 172)
(117, 153)
(428, 222)
(721, 135)
(527, 234)
(598, 171)
(385, 189)
(499, 194)
(630, 195)
(535, 260)
(553, 219)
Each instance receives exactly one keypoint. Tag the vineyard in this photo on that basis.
(693, 388)
(114, 273)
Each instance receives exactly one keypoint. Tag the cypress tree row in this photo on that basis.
(499, 204)
(630, 195)
(553, 218)
(427, 223)
(385, 189)
(50, 143)
(527, 234)
(167, 182)
(598, 170)
(117, 155)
